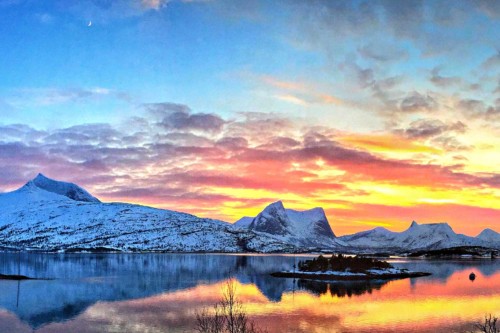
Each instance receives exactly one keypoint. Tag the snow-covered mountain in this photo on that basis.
(490, 236)
(306, 228)
(52, 215)
(69, 190)
(430, 236)
(244, 222)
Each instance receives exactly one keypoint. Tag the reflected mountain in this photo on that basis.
(81, 280)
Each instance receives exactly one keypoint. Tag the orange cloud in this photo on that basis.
(234, 168)
(386, 143)
(298, 92)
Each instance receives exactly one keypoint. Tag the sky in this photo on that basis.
(381, 112)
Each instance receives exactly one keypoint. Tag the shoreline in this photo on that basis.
(348, 276)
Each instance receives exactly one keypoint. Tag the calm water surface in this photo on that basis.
(163, 292)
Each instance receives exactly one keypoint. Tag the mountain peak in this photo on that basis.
(441, 226)
(490, 236)
(488, 231)
(39, 177)
(276, 205)
(429, 227)
(430, 236)
(69, 190)
(309, 227)
(381, 230)
(317, 210)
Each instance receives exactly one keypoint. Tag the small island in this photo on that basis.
(340, 267)
(14, 277)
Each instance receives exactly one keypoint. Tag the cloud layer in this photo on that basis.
(379, 111)
(173, 157)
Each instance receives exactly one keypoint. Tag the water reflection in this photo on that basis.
(82, 280)
(160, 293)
(341, 288)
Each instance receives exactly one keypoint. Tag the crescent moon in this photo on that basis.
(90, 24)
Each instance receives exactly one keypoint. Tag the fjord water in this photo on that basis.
(163, 292)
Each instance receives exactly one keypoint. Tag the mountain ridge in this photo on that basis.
(430, 236)
(47, 214)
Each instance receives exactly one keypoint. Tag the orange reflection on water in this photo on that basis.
(417, 305)
(425, 305)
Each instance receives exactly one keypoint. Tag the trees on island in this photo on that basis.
(342, 263)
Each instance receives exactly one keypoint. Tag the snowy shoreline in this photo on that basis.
(390, 273)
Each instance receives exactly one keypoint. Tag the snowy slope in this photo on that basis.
(374, 238)
(69, 190)
(52, 215)
(244, 222)
(490, 236)
(430, 236)
(306, 228)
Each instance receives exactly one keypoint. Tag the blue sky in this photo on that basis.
(205, 53)
(89, 85)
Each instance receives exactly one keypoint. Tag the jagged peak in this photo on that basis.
(280, 206)
(274, 209)
(427, 227)
(278, 220)
(316, 210)
(66, 189)
(277, 205)
(41, 176)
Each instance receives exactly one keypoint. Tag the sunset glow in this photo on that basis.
(219, 109)
(438, 305)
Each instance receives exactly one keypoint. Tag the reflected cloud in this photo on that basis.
(153, 292)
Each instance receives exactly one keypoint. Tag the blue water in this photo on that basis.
(75, 287)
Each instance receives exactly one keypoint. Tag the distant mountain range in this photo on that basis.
(432, 236)
(311, 228)
(51, 215)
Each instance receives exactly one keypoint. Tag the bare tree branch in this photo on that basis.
(228, 315)
(489, 325)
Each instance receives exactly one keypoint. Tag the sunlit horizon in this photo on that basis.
(380, 112)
